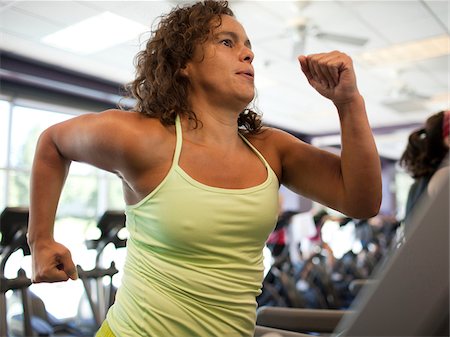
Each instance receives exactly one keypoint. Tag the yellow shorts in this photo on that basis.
(104, 330)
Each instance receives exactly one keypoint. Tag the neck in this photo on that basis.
(217, 125)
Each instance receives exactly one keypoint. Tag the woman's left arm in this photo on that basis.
(350, 183)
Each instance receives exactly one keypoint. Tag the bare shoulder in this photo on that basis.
(138, 132)
(273, 144)
(286, 154)
(113, 139)
(130, 126)
(274, 139)
(130, 119)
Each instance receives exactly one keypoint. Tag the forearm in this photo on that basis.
(360, 163)
(48, 174)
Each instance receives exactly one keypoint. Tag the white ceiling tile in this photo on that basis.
(437, 70)
(404, 33)
(61, 13)
(258, 21)
(440, 9)
(24, 25)
(144, 12)
(397, 21)
(58, 57)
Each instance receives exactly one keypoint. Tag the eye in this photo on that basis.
(227, 43)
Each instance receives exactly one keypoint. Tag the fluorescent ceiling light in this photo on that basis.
(408, 52)
(96, 33)
(441, 98)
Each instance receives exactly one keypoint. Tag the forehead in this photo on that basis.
(230, 24)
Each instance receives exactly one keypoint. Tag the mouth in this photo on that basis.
(248, 74)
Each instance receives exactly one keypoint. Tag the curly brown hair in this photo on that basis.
(159, 87)
(426, 148)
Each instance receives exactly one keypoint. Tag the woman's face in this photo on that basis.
(221, 70)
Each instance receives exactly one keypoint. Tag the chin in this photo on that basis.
(244, 104)
(242, 99)
(247, 98)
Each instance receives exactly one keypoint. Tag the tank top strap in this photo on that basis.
(260, 156)
(179, 135)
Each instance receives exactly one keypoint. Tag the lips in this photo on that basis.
(247, 73)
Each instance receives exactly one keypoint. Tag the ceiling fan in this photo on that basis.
(404, 98)
(302, 29)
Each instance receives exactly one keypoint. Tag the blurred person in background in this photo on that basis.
(426, 159)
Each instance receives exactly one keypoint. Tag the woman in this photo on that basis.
(200, 176)
(426, 159)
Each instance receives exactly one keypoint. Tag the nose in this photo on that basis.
(247, 54)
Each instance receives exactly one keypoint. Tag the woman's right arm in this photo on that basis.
(52, 261)
(95, 139)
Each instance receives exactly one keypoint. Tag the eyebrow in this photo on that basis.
(233, 35)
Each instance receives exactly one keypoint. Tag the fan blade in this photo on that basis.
(298, 48)
(358, 41)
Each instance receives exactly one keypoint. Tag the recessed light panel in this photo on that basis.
(96, 33)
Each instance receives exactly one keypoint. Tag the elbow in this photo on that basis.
(360, 213)
(363, 204)
(372, 210)
(367, 208)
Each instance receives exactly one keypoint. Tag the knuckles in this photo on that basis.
(46, 275)
(324, 59)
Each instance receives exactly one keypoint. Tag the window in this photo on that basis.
(26, 126)
(4, 144)
(3, 194)
(4, 124)
(403, 182)
(87, 193)
(115, 198)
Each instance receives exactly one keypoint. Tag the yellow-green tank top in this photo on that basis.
(194, 261)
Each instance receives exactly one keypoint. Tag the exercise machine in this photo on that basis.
(34, 320)
(408, 294)
(13, 227)
(101, 296)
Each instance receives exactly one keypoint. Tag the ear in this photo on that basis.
(184, 71)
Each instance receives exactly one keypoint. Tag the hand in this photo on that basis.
(332, 75)
(52, 262)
